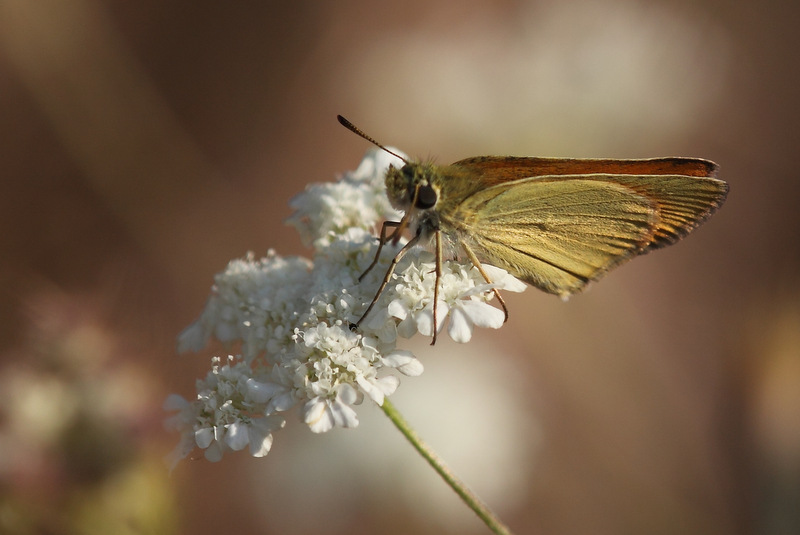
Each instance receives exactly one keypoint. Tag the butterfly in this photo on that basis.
(557, 224)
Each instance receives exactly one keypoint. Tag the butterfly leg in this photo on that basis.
(438, 235)
(400, 254)
(381, 242)
(474, 259)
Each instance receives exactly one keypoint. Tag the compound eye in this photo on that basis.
(426, 197)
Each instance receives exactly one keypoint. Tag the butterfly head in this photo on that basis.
(412, 186)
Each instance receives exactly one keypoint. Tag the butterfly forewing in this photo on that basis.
(682, 202)
(684, 190)
(498, 169)
(557, 233)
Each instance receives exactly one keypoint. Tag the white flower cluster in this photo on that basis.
(290, 317)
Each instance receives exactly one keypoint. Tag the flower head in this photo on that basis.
(291, 317)
(223, 417)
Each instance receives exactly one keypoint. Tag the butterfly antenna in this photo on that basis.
(356, 130)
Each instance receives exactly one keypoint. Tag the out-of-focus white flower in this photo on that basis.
(292, 317)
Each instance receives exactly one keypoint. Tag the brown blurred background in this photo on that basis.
(144, 144)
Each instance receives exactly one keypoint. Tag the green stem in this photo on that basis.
(474, 503)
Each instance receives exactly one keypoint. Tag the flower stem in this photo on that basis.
(472, 500)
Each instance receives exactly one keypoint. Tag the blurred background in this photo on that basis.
(144, 144)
